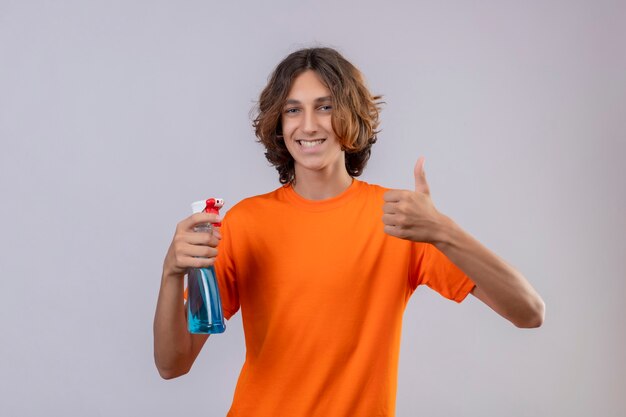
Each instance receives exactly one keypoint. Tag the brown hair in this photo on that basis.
(354, 116)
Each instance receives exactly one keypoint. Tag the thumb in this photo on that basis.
(421, 186)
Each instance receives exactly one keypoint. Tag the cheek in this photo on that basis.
(328, 126)
(288, 126)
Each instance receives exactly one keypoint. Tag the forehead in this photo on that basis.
(308, 85)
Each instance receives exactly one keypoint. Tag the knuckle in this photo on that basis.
(181, 225)
(203, 262)
(178, 238)
(211, 240)
(391, 231)
(201, 238)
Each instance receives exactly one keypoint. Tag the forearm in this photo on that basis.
(174, 351)
(498, 284)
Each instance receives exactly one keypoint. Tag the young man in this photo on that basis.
(323, 267)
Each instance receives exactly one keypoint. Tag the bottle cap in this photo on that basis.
(212, 205)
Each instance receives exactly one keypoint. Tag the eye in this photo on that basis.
(326, 107)
(292, 110)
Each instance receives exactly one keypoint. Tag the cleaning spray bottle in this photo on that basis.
(204, 306)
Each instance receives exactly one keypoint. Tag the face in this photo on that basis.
(307, 126)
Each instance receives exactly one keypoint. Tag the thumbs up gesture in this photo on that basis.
(412, 215)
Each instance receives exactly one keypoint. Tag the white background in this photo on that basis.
(115, 115)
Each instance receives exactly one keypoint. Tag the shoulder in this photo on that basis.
(254, 206)
(372, 189)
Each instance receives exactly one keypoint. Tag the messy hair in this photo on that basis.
(354, 115)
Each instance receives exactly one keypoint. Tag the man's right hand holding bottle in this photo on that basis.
(191, 249)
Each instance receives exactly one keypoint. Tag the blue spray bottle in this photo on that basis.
(204, 306)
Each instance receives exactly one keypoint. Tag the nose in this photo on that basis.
(309, 122)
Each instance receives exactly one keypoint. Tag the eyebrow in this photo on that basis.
(317, 100)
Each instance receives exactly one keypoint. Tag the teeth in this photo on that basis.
(310, 143)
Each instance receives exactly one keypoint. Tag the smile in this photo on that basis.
(310, 143)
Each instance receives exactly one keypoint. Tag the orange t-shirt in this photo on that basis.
(322, 290)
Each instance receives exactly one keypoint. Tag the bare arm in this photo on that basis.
(175, 349)
(411, 215)
(498, 284)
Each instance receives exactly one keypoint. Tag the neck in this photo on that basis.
(321, 185)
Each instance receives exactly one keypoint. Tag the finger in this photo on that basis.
(201, 238)
(395, 231)
(192, 262)
(394, 195)
(199, 218)
(200, 251)
(398, 220)
(391, 220)
(421, 185)
(390, 208)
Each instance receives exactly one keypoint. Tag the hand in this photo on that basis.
(411, 215)
(191, 249)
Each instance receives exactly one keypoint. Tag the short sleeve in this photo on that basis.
(432, 268)
(226, 271)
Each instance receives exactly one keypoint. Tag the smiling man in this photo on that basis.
(322, 267)
(308, 135)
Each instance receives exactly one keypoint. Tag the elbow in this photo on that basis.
(170, 369)
(533, 317)
(170, 373)
(530, 323)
